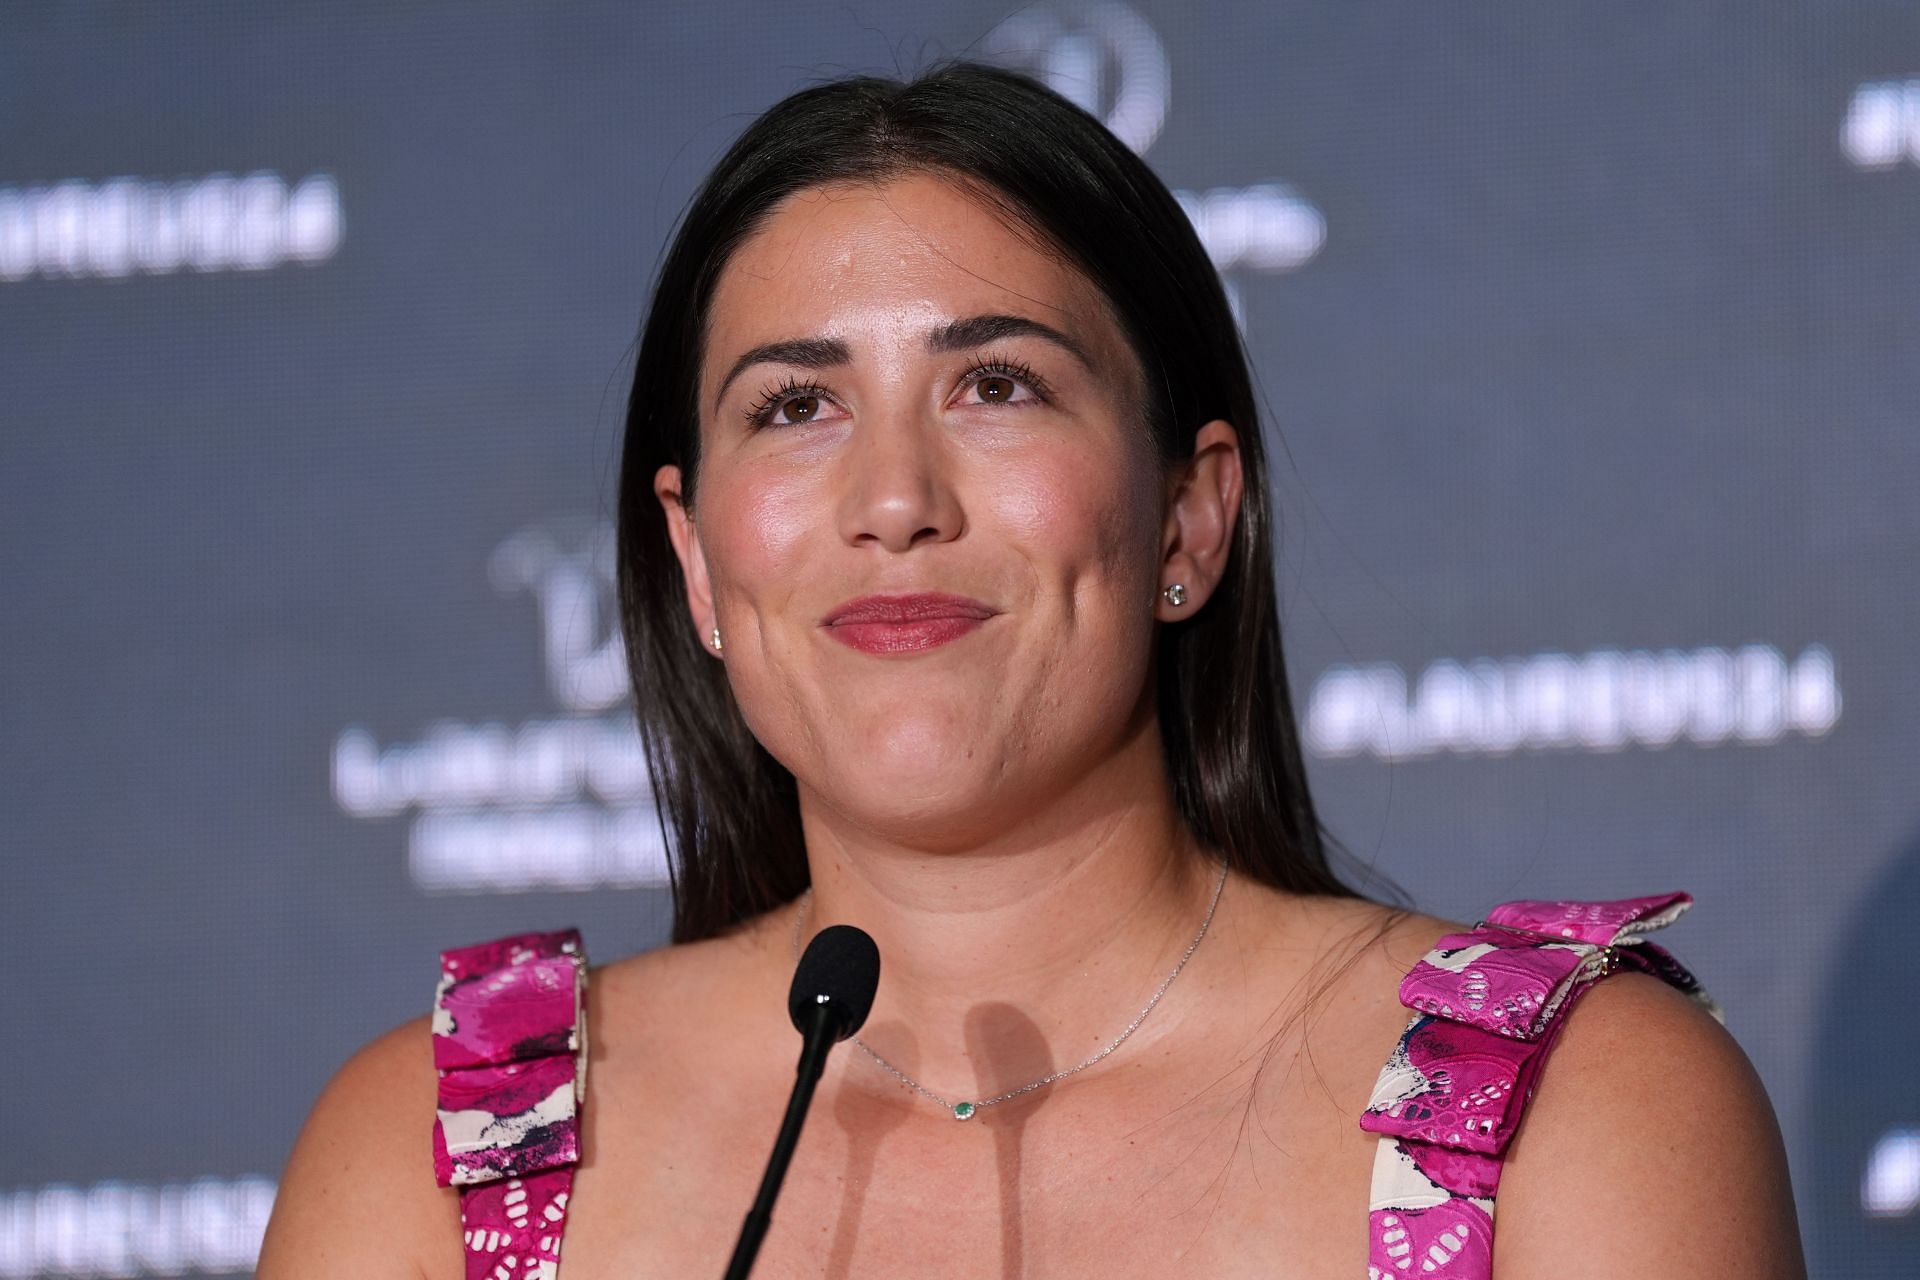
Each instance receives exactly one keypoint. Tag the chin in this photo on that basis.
(949, 805)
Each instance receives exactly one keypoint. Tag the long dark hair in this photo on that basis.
(729, 809)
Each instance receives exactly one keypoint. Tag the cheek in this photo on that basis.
(757, 524)
(761, 530)
(1082, 518)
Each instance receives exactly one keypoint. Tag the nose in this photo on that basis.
(896, 486)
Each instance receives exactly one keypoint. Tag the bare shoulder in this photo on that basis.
(1343, 984)
(1650, 1149)
(674, 972)
(1372, 945)
(1346, 930)
(358, 1194)
(704, 975)
(661, 1019)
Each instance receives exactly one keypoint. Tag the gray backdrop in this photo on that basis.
(1589, 333)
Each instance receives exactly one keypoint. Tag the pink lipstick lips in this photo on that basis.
(905, 623)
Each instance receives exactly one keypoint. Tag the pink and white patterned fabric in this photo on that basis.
(510, 1045)
(1488, 1006)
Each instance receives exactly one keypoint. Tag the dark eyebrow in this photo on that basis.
(976, 331)
(955, 335)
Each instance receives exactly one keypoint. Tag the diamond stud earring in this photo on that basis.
(715, 641)
(1176, 594)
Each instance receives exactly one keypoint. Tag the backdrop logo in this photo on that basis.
(1108, 60)
(554, 802)
(1101, 56)
(1890, 1188)
(209, 1226)
(567, 568)
(134, 226)
(1882, 127)
(1605, 700)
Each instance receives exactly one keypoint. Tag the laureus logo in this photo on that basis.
(1101, 56)
(1109, 61)
(567, 568)
(552, 802)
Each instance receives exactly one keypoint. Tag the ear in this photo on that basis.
(686, 545)
(1203, 506)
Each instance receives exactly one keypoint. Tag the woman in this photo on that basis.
(946, 576)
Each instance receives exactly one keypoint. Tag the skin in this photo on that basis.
(996, 813)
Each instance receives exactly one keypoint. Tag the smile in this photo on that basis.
(906, 623)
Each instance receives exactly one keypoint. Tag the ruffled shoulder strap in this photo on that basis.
(510, 1046)
(1488, 1005)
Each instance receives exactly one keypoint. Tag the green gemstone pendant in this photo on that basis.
(963, 1110)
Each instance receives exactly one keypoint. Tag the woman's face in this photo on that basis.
(902, 395)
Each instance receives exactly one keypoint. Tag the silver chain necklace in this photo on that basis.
(967, 1110)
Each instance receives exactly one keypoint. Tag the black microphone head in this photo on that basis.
(841, 967)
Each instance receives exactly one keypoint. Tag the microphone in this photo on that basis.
(831, 995)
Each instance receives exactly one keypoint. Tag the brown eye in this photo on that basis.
(791, 404)
(1001, 380)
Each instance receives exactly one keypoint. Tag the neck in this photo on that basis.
(1023, 955)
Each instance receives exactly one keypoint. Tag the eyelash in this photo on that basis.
(992, 367)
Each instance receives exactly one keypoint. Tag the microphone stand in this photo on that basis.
(817, 1038)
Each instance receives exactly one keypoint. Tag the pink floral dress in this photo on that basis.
(510, 1044)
